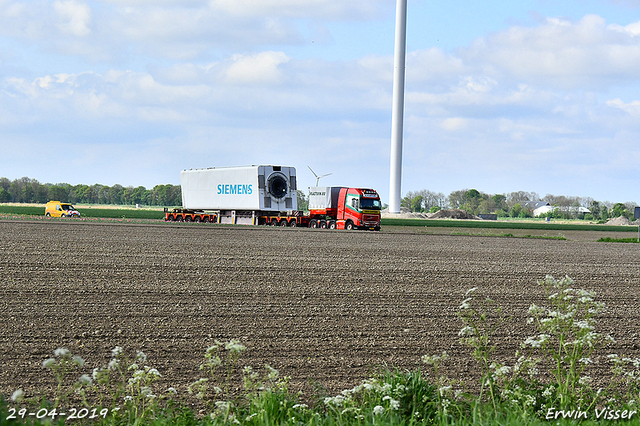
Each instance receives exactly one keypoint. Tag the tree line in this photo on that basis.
(515, 204)
(26, 190)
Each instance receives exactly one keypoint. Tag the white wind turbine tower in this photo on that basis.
(317, 177)
(398, 106)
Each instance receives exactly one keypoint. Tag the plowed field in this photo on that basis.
(327, 306)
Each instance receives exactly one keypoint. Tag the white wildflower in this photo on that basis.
(17, 396)
(465, 303)
(172, 391)
(235, 346)
(536, 343)
(584, 380)
(444, 390)
(471, 291)
(583, 325)
(466, 331)
(140, 356)
(85, 380)
(378, 409)
(61, 352)
(116, 351)
(147, 392)
(48, 363)
(272, 372)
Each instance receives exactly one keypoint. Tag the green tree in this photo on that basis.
(303, 203)
(5, 197)
(619, 209)
(59, 192)
(416, 204)
(499, 201)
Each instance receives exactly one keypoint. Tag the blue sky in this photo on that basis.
(537, 95)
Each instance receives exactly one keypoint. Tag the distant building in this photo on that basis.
(541, 207)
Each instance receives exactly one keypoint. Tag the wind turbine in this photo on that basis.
(317, 177)
(397, 115)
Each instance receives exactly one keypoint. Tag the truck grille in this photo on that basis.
(368, 218)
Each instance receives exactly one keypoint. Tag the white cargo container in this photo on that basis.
(260, 188)
(323, 197)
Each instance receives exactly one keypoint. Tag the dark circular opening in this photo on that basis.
(278, 186)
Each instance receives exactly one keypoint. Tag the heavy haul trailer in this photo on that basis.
(267, 195)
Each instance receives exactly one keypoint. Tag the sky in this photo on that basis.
(531, 95)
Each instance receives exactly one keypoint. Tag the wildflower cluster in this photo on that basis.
(373, 395)
(479, 325)
(567, 339)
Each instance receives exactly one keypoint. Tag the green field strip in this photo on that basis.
(484, 224)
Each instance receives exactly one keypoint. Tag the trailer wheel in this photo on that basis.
(332, 224)
(205, 219)
(179, 218)
(283, 222)
(274, 222)
(313, 224)
(293, 223)
(198, 219)
(348, 226)
(188, 218)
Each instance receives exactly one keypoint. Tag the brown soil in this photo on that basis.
(327, 306)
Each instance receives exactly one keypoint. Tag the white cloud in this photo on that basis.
(75, 17)
(260, 68)
(632, 108)
(559, 53)
(320, 9)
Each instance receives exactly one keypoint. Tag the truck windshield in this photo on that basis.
(369, 203)
(68, 207)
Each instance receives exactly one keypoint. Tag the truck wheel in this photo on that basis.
(274, 222)
(293, 223)
(48, 215)
(348, 226)
(323, 224)
(63, 215)
(313, 224)
(332, 225)
(283, 222)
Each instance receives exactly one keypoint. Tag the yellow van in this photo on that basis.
(58, 209)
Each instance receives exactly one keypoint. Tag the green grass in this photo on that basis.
(119, 213)
(510, 235)
(450, 223)
(617, 240)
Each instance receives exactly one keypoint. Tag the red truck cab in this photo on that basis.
(344, 208)
(359, 208)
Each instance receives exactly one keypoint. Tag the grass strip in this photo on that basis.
(87, 212)
(452, 223)
(617, 240)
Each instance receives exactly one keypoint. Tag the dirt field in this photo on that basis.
(318, 305)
